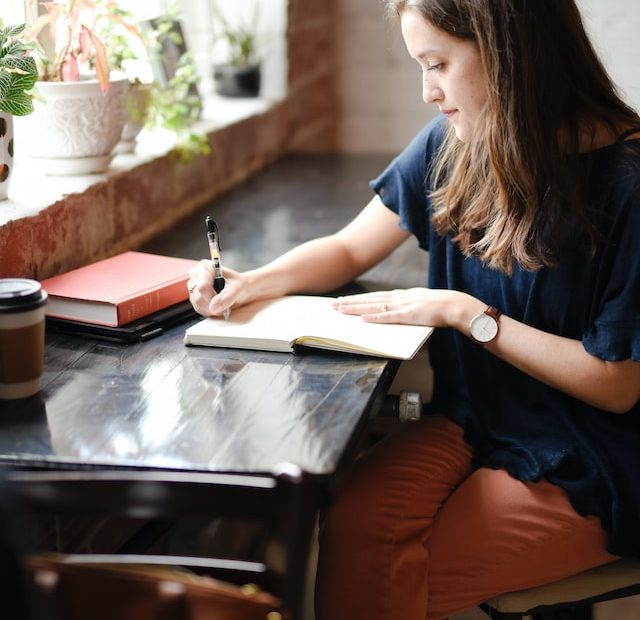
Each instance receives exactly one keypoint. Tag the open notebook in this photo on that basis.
(282, 324)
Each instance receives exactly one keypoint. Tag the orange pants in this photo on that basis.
(418, 534)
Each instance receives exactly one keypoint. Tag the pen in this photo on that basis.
(213, 238)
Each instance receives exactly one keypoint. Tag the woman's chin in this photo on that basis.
(462, 132)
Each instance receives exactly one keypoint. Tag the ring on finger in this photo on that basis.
(383, 308)
(191, 287)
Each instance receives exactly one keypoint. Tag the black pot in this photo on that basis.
(237, 81)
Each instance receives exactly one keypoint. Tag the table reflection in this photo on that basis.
(162, 404)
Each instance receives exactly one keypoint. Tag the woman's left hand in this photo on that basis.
(414, 306)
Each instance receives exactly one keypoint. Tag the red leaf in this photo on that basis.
(102, 64)
(86, 45)
(70, 71)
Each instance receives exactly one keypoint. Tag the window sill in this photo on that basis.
(54, 224)
(32, 191)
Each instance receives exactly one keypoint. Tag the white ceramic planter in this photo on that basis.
(6, 153)
(137, 103)
(76, 128)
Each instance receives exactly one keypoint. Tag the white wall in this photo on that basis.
(614, 26)
(11, 12)
(379, 85)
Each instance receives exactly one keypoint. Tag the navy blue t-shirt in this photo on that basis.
(511, 420)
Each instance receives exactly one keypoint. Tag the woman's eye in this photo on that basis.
(435, 67)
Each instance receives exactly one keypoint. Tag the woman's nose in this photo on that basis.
(431, 92)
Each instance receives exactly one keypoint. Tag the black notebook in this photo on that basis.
(137, 331)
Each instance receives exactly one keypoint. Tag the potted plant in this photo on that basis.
(240, 74)
(176, 108)
(126, 51)
(172, 103)
(77, 125)
(18, 75)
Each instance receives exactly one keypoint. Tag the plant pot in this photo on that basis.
(137, 105)
(75, 130)
(236, 80)
(6, 153)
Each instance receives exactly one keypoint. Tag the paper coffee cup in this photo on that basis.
(22, 305)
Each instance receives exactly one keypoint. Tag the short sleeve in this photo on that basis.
(614, 333)
(404, 185)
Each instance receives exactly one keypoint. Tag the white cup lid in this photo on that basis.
(20, 295)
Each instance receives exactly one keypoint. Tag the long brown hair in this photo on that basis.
(509, 193)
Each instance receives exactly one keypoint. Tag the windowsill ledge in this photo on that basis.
(52, 224)
(31, 190)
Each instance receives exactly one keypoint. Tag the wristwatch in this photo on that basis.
(484, 327)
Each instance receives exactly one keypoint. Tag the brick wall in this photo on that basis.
(133, 206)
(312, 98)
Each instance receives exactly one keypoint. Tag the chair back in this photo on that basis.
(156, 585)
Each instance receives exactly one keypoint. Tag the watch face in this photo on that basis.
(484, 328)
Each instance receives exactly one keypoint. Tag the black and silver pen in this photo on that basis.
(214, 248)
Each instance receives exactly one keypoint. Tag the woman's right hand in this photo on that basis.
(204, 298)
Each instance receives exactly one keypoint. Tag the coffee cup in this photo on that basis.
(22, 305)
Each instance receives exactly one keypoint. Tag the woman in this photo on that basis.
(526, 193)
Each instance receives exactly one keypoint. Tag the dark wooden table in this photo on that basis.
(163, 406)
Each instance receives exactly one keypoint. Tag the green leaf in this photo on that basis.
(18, 72)
(14, 48)
(20, 63)
(11, 31)
(21, 82)
(10, 46)
(19, 105)
(5, 84)
(26, 67)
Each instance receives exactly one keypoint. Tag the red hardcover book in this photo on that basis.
(118, 290)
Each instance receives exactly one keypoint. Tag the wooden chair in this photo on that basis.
(571, 598)
(284, 504)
